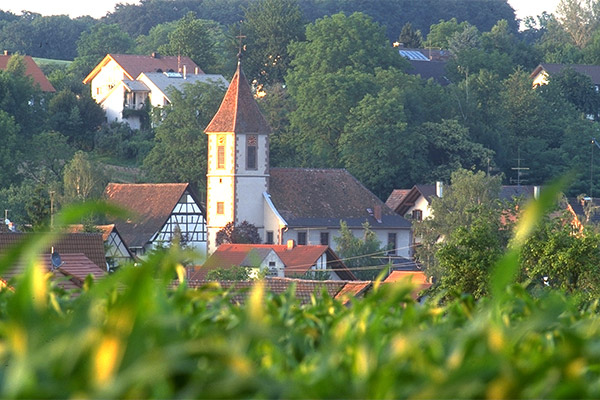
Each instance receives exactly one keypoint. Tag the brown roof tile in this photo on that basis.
(90, 244)
(133, 65)
(396, 197)
(323, 197)
(151, 204)
(304, 289)
(31, 69)
(239, 111)
(105, 230)
(71, 274)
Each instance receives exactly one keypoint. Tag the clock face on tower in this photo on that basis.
(221, 140)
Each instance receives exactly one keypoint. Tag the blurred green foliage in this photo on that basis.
(135, 335)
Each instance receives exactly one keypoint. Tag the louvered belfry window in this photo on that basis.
(251, 153)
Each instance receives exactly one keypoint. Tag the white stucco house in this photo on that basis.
(127, 85)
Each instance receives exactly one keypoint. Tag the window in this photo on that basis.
(302, 238)
(417, 215)
(391, 244)
(220, 208)
(325, 238)
(251, 145)
(221, 152)
(272, 269)
(269, 239)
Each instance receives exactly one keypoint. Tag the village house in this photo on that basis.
(126, 85)
(117, 252)
(159, 214)
(289, 260)
(300, 204)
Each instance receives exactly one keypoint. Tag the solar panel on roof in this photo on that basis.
(413, 55)
(173, 74)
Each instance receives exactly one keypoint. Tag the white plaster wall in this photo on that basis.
(403, 237)
(220, 187)
(111, 74)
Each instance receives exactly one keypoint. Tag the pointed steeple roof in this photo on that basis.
(239, 111)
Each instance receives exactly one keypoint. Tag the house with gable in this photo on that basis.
(117, 252)
(159, 214)
(289, 260)
(304, 205)
(32, 70)
(124, 84)
(542, 72)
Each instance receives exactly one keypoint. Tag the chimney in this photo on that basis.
(196, 70)
(184, 71)
(291, 244)
(439, 189)
(155, 55)
(7, 53)
(536, 192)
(377, 212)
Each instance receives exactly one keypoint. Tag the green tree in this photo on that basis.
(440, 34)
(157, 38)
(44, 164)
(409, 37)
(83, 180)
(77, 117)
(359, 253)
(556, 257)
(270, 25)
(94, 44)
(180, 150)
(192, 38)
(468, 256)
(579, 90)
(244, 232)
(447, 147)
(9, 156)
(391, 160)
(235, 273)
(579, 19)
(471, 196)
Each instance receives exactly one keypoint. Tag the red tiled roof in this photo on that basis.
(151, 204)
(106, 230)
(297, 260)
(353, 289)
(326, 196)
(417, 278)
(133, 65)
(90, 244)
(32, 70)
(71, 274)
(304, 289)
(396, 197)
(239, 111)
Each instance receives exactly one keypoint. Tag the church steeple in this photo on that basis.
(239, 111)
(238, 161)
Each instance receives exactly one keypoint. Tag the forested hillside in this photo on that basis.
(334, 89)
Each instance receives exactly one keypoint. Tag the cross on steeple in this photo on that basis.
(240, 37)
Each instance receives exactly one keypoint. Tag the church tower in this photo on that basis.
(238, 161)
